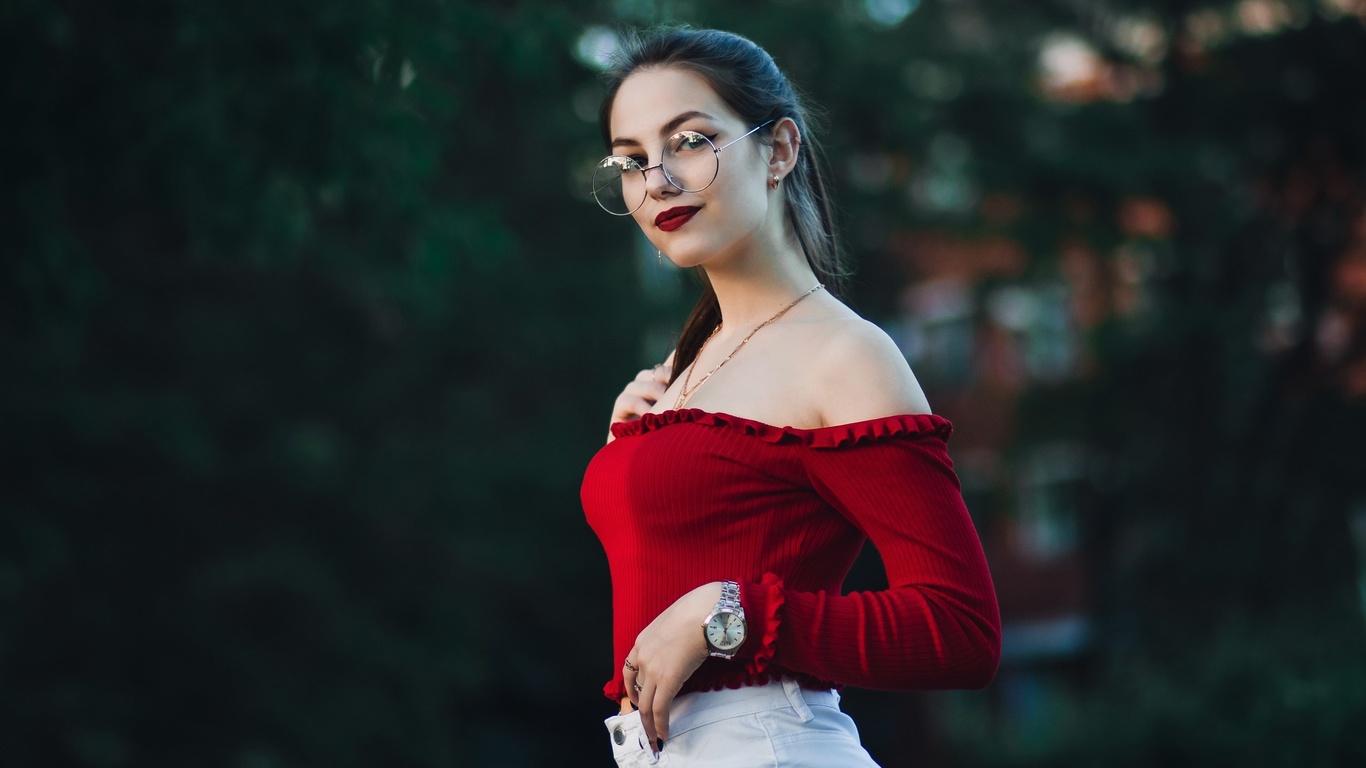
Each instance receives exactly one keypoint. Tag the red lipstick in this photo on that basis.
(675, 217)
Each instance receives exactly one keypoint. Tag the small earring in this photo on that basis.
(774, 182)
(659, 260)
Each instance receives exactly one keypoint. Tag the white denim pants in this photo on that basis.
(779, 725)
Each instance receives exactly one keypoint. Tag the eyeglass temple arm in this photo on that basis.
(750, 131)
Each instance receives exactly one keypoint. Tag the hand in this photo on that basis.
(642, 393)
(665, 655)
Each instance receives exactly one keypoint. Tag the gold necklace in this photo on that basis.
(684, 393)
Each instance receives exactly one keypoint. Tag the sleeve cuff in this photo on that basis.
(763, 602)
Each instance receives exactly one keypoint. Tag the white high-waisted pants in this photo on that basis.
(779, 725)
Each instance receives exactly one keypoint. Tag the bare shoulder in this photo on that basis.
(861, 374)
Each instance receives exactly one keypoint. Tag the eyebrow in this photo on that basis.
(668, 128)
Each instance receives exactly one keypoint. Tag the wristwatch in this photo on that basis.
(724, 628)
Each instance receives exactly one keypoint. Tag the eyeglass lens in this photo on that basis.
(690, 163)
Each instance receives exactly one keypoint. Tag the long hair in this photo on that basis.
(750, 83)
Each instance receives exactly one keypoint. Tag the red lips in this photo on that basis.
(675, 217)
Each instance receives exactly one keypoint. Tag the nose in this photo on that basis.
(657, 182)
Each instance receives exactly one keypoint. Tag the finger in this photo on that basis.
(663, 372)
(628, 407)
(647, 714)
(629, 677)
(661, 703)
(649, 391)
(645, 374)
(637, 398)
(645, 390)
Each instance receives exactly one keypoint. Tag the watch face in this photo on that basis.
(725, 631)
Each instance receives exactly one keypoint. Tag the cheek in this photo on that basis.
(749, 200)
(747, 187)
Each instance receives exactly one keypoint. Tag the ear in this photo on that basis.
(787, 141)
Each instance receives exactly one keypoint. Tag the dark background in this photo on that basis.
(309, 330)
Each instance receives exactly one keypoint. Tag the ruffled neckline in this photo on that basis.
(836, 436)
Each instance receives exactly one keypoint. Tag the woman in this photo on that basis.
(728, 536)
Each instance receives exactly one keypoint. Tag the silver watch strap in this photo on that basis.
(730, 600)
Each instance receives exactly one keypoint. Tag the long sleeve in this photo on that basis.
(936, 626)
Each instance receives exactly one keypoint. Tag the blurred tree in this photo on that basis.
(298, 317)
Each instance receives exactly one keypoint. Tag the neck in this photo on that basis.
(749, 290)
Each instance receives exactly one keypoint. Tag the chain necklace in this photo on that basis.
(684, 393)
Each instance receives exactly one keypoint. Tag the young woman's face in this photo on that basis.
(691, 228)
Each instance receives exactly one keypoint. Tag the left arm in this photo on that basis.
(937, 625)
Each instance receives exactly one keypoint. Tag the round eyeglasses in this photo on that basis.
(690, 163)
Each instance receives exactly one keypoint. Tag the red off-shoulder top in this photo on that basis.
(686, 497)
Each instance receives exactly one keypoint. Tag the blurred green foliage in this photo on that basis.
(309, 333)
(305, 361)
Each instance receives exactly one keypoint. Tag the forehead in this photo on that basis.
(652, 97)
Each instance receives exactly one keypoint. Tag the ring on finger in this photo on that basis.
(631, 666)
(636, 686)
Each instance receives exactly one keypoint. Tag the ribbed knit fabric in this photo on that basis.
(683, 498)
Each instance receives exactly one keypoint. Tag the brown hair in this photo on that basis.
(750, 83)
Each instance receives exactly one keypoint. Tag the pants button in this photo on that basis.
(619, 736)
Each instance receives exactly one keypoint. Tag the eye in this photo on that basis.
(685, 142)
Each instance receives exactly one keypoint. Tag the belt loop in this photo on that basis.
(798, 702)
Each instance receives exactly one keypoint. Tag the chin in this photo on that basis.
(681, 255)
(684, 261)
(696, 254)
